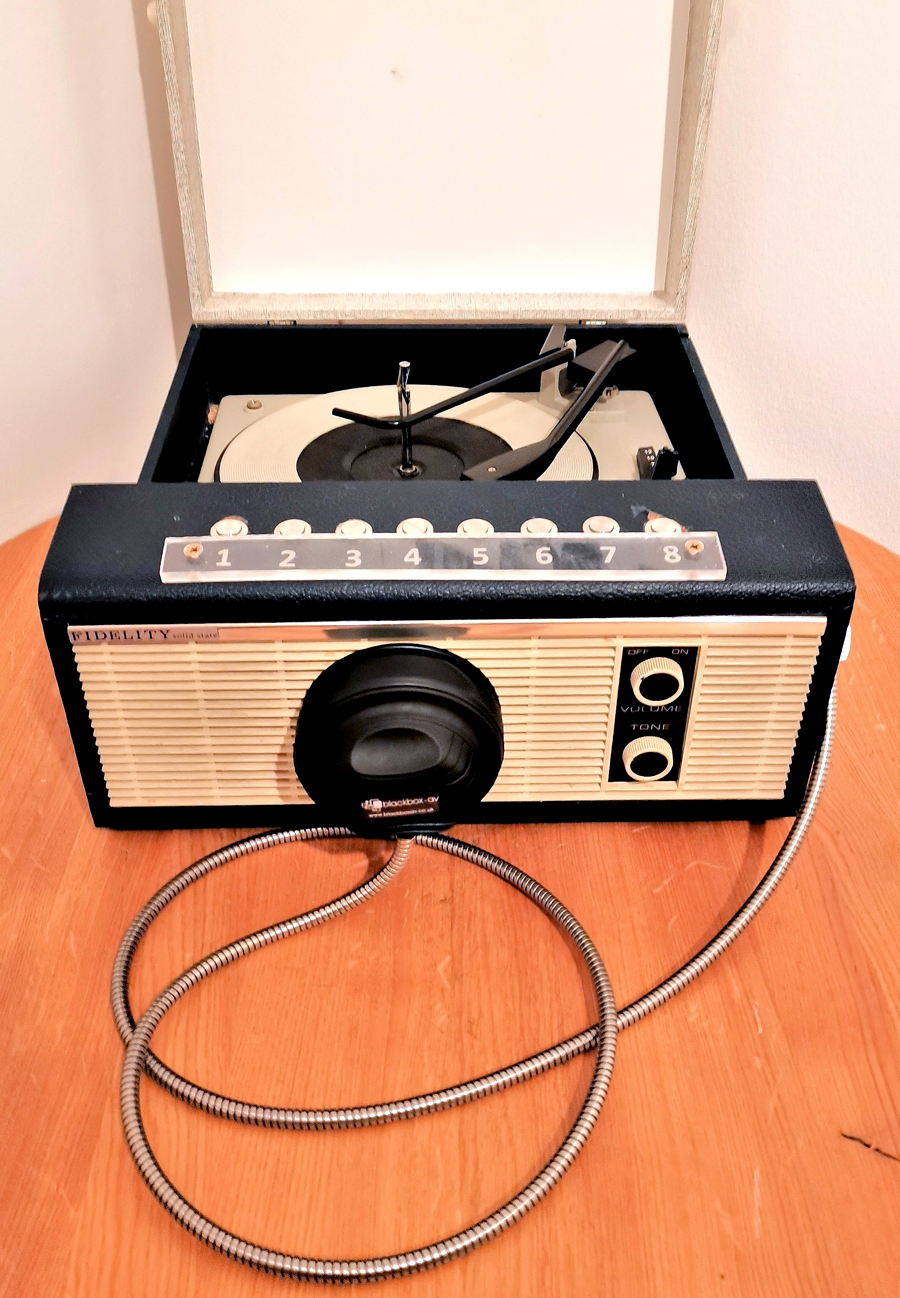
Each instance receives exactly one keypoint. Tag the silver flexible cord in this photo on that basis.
(356, 1270)
(138, 1057)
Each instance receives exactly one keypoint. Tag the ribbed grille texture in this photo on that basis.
(749, 700)
(212, 723)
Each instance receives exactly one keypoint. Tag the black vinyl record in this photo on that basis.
(442, 450)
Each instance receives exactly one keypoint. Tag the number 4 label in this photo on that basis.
(413, 556)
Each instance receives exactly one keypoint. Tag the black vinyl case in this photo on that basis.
(784, 558)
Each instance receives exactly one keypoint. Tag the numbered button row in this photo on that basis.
(291, 527)
(597, 525)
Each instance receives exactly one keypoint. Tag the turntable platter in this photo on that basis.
(303, 439)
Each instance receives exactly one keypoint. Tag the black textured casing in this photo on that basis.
(783, 554)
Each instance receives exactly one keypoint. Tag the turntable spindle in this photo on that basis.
(406, 468)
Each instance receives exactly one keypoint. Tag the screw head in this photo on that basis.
(194, 550)
(694, 547)
(254, 404)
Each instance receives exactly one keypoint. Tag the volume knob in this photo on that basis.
(648, 758)
(657, 681)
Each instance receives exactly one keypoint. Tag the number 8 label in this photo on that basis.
(671, 554)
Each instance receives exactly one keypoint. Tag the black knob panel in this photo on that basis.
(399, 736)
(652, 707)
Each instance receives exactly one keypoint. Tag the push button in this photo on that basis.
(657, 525)
(292, 527)
(600, 525)
(415, 527)
(231, 525)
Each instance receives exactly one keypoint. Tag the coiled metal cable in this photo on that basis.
(360, 1269)
(601, 1036)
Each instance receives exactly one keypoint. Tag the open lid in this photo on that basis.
(465, 160)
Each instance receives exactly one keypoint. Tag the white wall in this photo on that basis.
(795, 294)
(792, 303)
(86, 337)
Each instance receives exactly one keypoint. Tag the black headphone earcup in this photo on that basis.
(399, 735)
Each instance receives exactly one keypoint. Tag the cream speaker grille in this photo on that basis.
(210, 722)
(745, 717)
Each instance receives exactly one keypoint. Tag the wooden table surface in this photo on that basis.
(751, 1140)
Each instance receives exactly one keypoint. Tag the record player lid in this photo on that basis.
(470, 160)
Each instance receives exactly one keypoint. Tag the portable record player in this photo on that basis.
(441, 520)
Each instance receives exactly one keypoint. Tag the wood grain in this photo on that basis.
(751, 1141)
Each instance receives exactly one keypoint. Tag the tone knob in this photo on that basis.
(538, 527)
(415, 527)
(354, 527)
(657, 681)
(648, 758)
(231, 525)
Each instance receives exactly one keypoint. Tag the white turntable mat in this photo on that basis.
(266, 450)
(258, 438)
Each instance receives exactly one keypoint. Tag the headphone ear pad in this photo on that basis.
(399, 736)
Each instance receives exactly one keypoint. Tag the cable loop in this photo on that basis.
(137, 1061)
(601, 1036)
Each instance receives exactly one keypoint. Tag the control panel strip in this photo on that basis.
(506, 556)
